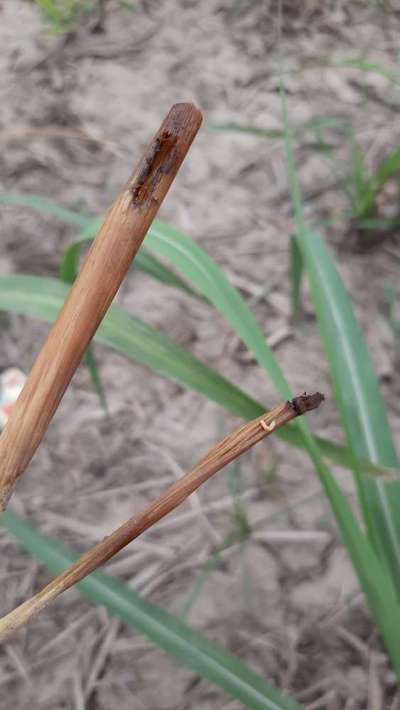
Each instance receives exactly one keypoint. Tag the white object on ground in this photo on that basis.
(11, 384)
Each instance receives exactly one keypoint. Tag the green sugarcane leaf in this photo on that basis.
(186, 645)
(338, 326)
(42, 298)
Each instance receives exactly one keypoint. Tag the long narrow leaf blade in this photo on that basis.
(142, 345)
(373, 573)
(209, 280)
(68, 272)
(207, 277)
(89, 226)
(354, 379)
(389, 167)
(296, 275)
(42, 298)
(144, 260)
(358, 396)
(40, 204)
(188, 646)
(292, 434)
(374, 577)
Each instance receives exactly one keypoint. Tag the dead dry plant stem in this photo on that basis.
(107, 262)
(219, 456)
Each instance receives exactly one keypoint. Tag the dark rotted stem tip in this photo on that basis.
(306, 402)
(165, 154)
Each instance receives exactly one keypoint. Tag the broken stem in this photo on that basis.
(106, 264)
(219, 456)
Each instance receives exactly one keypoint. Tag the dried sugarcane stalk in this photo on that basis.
(219, 456)
(107, 262)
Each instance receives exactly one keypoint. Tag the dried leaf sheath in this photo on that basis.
(219, 456)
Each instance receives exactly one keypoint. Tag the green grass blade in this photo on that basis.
(184, 253)
(40, 204)
(367, 187)
(374, 578)
(69, 266)
(144, 260)
(355, 382)
(296, 274)
(181, 256)
(68, 271)
(147, 263)
(312, 125)
(378, 224)
(60, 15)
(359, 400)
(248, 129)
(387, 169)
(209, 279)
(138, 341)
(90, 226)
(373, 572)
(370, 436)
(168, 632)
(91, 364)
(42, 298)
(360, 186)
(366, 65)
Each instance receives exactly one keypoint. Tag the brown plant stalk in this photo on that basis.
(106, 264)
(219, 456)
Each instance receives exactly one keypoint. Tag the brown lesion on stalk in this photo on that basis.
(158, 162)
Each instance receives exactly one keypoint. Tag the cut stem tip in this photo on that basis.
(306, 402)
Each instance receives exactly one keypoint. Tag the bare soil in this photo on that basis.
(76, 111)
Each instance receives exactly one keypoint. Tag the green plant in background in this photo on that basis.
(168, 632)
(63, 16)
(393, 312)
(364, 187)
(43, 297)
(309, 133)
(365, 422)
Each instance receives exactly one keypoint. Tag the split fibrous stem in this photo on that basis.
(219, 456)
